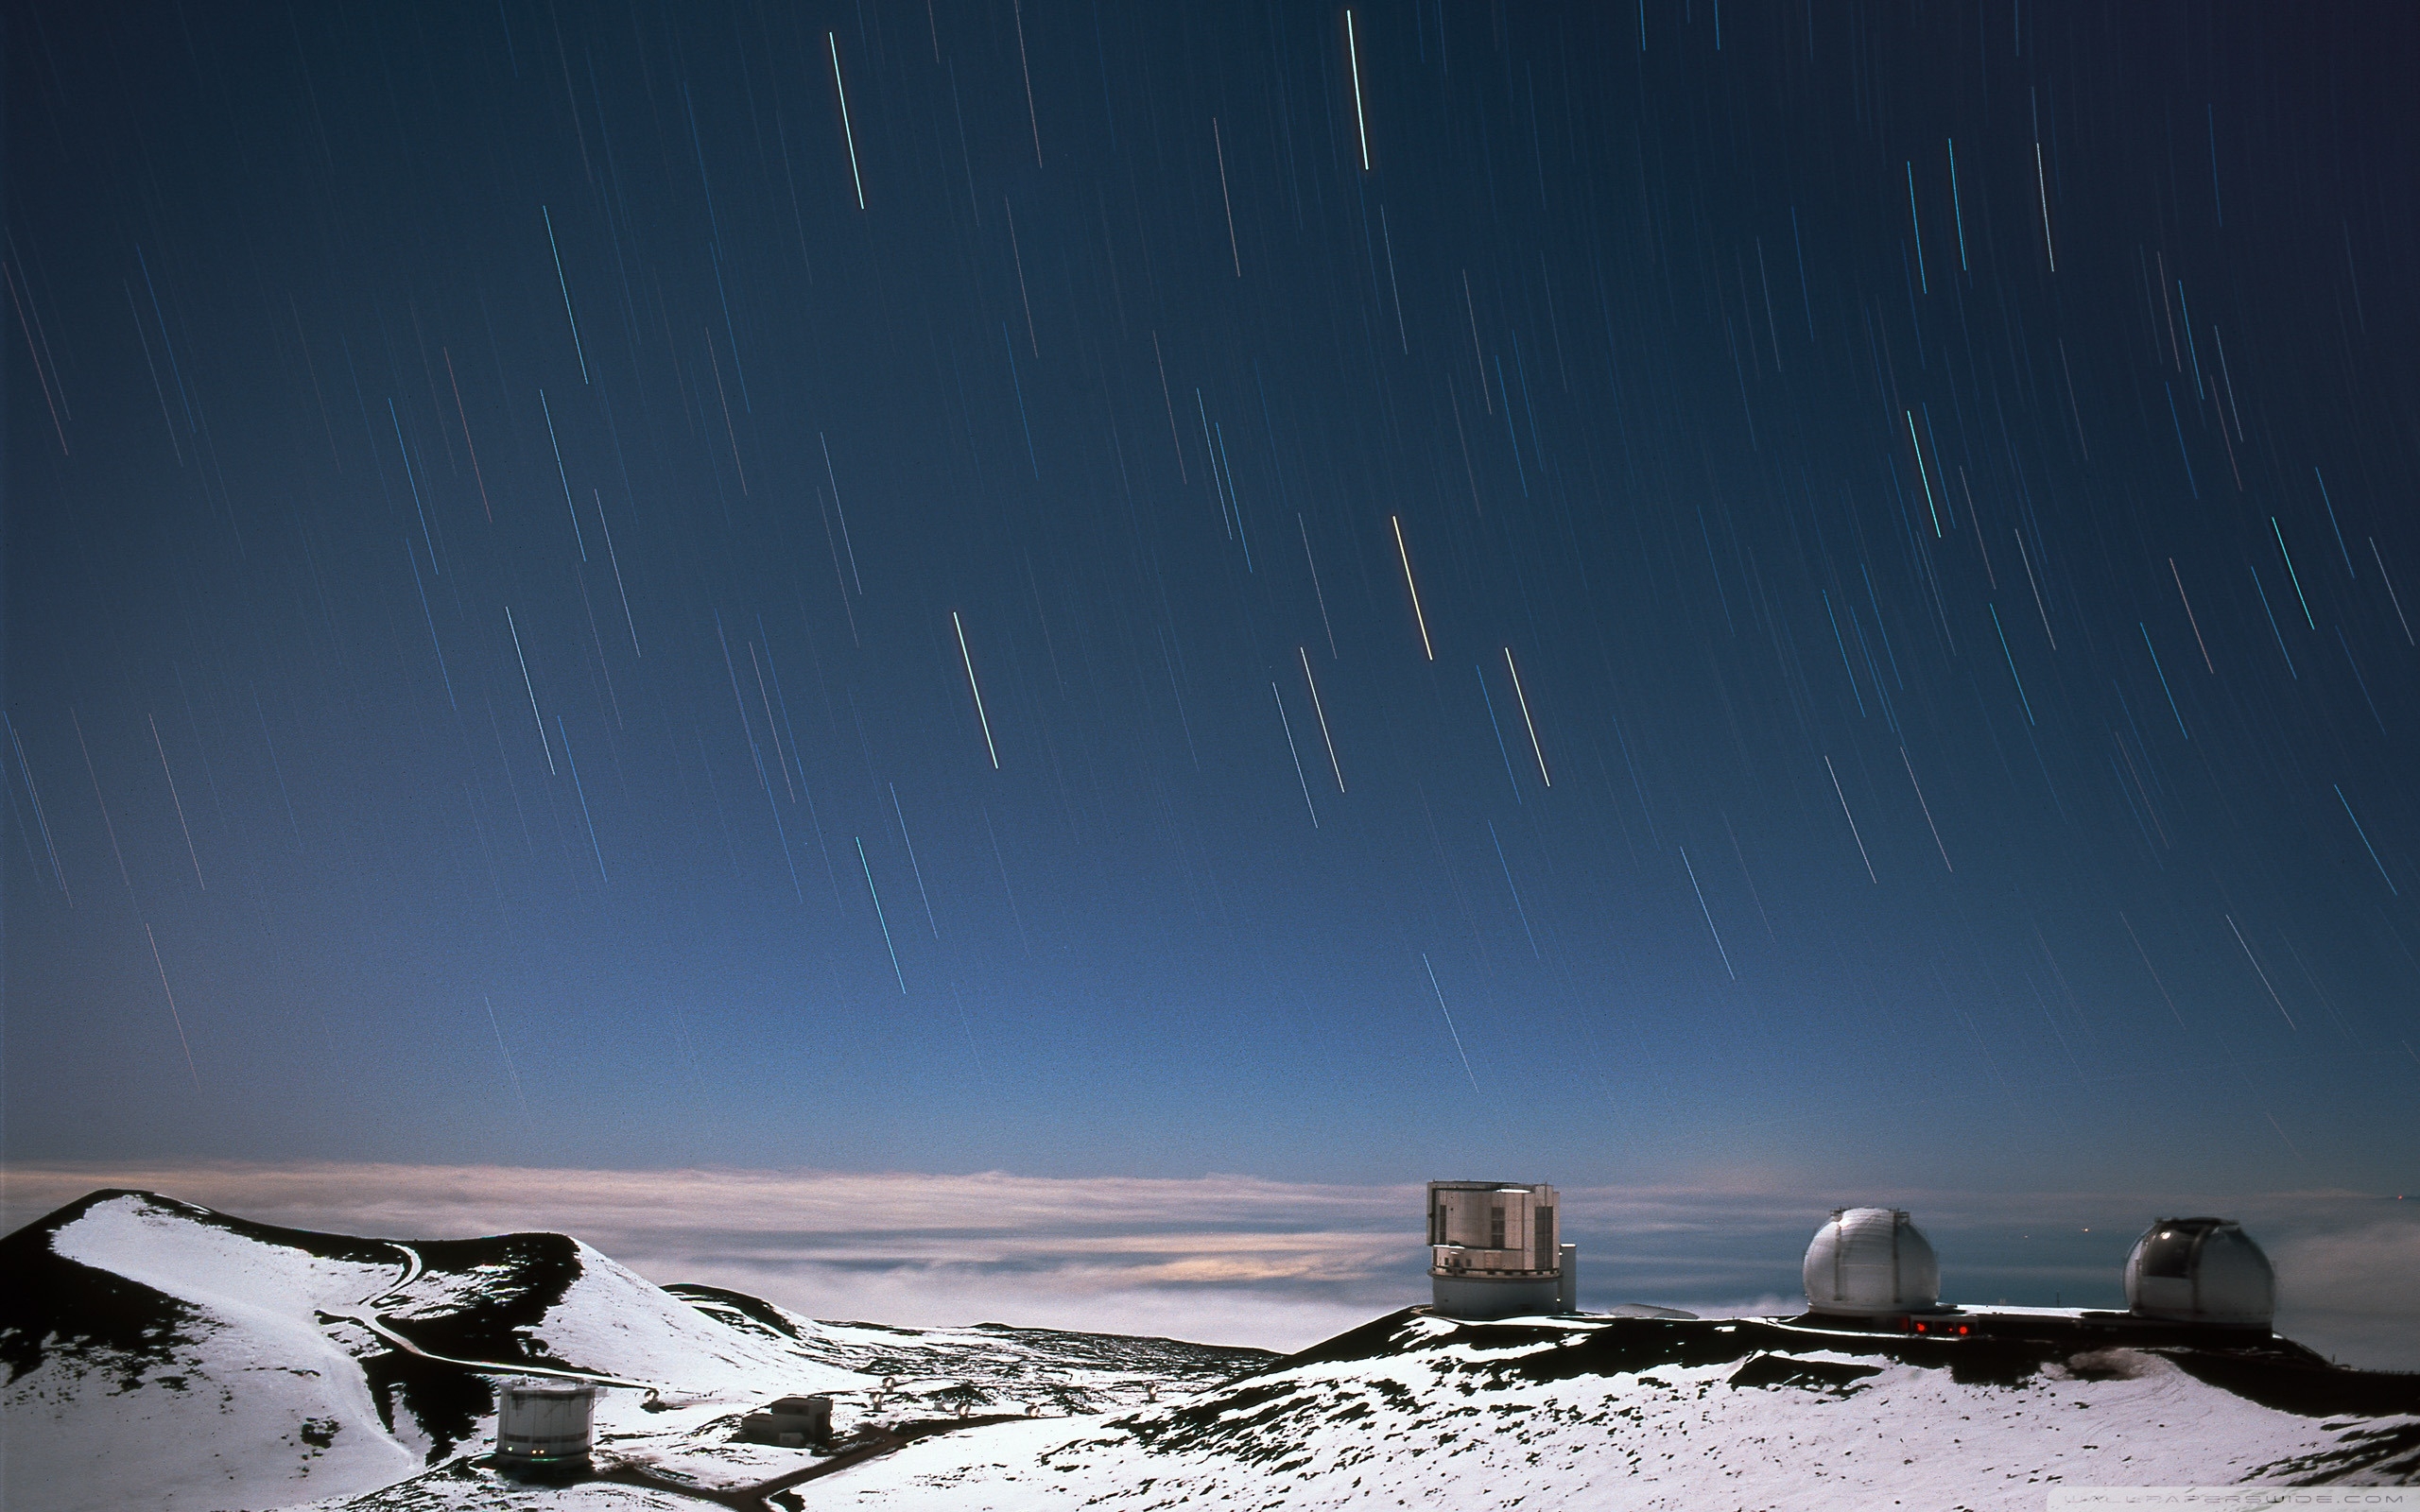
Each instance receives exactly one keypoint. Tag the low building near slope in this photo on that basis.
(791, 1423)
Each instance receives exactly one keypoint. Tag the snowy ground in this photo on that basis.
(1624, 1413)
(1637, 1413)
(161, 1355)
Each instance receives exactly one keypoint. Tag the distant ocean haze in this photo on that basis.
(1246, 1259)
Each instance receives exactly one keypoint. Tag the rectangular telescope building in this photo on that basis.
(1494, 1253)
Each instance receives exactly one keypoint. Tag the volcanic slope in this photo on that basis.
(160, 1354)
(1639, 1412)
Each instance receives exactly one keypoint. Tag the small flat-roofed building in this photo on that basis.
(791, 1423)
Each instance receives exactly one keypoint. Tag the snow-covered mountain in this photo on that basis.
(1686, 1413)
(163, 1355)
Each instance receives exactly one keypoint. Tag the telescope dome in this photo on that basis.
(2200, 1270)
(1871, 1263)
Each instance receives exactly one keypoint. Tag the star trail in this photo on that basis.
(504, 505)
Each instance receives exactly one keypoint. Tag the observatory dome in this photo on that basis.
(1871, 1262)
(2199, 1270)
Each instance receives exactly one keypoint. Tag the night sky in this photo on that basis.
(1577, 593)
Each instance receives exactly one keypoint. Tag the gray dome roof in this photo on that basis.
(2199, 1270)
(1870, 1262)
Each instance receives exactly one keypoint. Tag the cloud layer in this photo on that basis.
(1244, 1259)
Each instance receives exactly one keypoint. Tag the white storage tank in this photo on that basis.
(1493, 1251)
(543, 1424)
(1871, 1263)
(2200, 1270)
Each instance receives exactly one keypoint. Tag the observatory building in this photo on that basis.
(1871, 1263)
(543, 1425)
(2200, 1270)
(1493, 1251)
(792, 1422)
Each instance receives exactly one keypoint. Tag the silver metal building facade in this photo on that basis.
(1494, 1251)
(543, 1424)
(1871, 1263)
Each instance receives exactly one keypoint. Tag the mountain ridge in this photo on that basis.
(163, 1354)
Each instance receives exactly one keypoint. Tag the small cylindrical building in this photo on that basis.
(1493, 1252)
(543, 1425)
(2200, 1270)
(1871, 1263)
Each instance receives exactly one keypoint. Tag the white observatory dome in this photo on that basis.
(2199, 1270)
(1871, 1262)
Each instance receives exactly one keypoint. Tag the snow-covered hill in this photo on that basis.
(1647, 1411)
(1420, 1410)
(162, 1355)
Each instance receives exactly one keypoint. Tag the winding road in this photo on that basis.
(493, 1368)
(877, 1442)
(364, 1312)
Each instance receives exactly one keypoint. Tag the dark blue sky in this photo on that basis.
(1912, 680)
